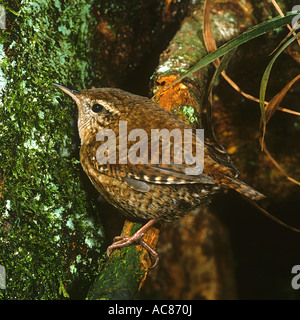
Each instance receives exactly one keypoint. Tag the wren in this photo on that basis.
(154, 192)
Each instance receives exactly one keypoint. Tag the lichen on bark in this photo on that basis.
(49, 241)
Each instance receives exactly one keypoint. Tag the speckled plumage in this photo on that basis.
(163, 192)
(166, 200)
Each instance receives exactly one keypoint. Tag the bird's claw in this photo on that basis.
(124, 241)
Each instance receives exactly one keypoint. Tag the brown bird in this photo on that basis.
(149, 190)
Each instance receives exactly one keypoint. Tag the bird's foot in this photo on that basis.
(124, 241)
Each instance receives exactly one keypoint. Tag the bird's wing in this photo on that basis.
(156, 171)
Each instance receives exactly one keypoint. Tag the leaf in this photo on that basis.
(265, 78)
(209, 41)
(209, 96)
(292, 31)
(250, 34)
(220, 68)
(283, 41)
(276, 100)
(211, 46)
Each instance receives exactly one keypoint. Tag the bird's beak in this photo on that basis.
(72, 93)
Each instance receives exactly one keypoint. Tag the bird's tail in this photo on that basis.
(242, 188)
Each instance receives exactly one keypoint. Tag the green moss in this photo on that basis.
(119, 278)
(46, 218)
(188, 112)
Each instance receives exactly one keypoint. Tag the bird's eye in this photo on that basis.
(97, 107)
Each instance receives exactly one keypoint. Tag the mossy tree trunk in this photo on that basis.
(50, 235)
(49, 242)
